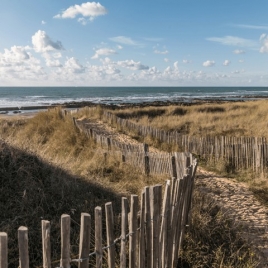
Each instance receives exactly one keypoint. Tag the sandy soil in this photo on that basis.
(236, 200)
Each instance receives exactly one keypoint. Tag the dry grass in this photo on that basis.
(70, 175)
(213, 240)
(230, 119)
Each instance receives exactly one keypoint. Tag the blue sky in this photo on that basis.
(134, 43)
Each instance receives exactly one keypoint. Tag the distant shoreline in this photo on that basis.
(76, 105)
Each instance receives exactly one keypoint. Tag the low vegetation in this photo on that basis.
(48, 168)
(228, 119)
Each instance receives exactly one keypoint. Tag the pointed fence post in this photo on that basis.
(98, 236)
(155, 200)
(84, 243)
(148, 227)
(65, 241)
(3, 250)
(110, 234)
(124, 222)
(174, 169)
(142, 232)
(23, 247)
(46, 244)
(133, 231)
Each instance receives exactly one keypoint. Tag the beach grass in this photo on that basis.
(49, 156)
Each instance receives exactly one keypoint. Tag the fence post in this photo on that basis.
(105, 158)
(148, 226)
(109, 144)
(155, 200)
(110, 234)
(163, 230)
(23, 247)
(133, 231)
(124, 222)
(98, 237)
(142, 232)
(146, 165)
(3, 250)
(145, 148)
(46, 243)
(84, 242)
(174, 169)
(65, 241)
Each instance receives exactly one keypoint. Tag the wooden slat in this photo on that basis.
(98, 236)
(124, 221)
(110, 234)
(65, 241)
(23, 247)
(133, 231)
(142, 232)
(3, 250)
(46, 244)
(84, 243)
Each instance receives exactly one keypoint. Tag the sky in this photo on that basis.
(134, 43)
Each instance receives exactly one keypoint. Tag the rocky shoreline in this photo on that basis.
(75, 105)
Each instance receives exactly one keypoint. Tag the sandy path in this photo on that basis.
(235, 198)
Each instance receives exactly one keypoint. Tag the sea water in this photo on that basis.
(18, 97)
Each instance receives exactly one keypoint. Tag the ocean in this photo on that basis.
(19, 97)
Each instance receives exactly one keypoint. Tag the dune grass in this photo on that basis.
(229, 119)
(48, 168)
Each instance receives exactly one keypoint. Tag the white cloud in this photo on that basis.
(119, 47)
(103, 52)
(186, 61)
(43, 22)
(89, 9)
(166, 60)
(161, 52)
(226, 62)
(73, 66)
(19, 65)
(239, 51)
(236, 72)
(52, 60)
(233, 41)
(264, 43)
(53, 63)
(154, 39)
(83, 21)
(132, 65)
(42, 42)
(253, 27)
(124, 40)
(209, 63)
(176, 65)
(241, 61)
(16, 55)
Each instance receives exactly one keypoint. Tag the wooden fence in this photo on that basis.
(137, 155)
(151, 233)
(237, 152)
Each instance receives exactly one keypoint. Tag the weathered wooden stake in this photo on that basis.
(142, 232)
(110, 234)
(65, 241)
(133, 231)
(98, 237)
(3, 250)
(174, 168)
(124, 222)
(84, 243)
(23, 247)
(46, 244)
(146, 165)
